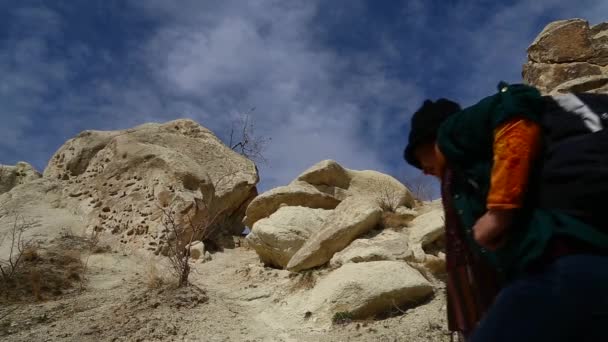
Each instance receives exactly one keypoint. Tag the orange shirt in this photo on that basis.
(516, 145)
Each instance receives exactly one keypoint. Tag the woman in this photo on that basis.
(551, 268)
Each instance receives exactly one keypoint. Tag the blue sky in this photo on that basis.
(332, 79)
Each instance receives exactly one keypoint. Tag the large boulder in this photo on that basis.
(330, 177)
(11, 176)
(326, 173)
(278, 237)
(386, 244)
(122, 181)
(425, 230)
(365, 290)
(388, 192)
(325, 185)
(295, 194)
(352, 218)
(548, 76)
(569, 56)
(563, 41)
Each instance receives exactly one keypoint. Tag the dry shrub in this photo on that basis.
(101, 249)
(44, 274)
(18, 245)
(303, 281)
(32, 272)
(31, 253)
(388, 198)
(189, 222)
(36, 283)
(154, 279)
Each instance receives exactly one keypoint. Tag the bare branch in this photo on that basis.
(420, 186)
(18, 245)
(198, 221)
(249, 144)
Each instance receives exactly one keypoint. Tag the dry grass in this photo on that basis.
(388, 198)
(31, 253)
(36, 283)
(305, 280)
(154, 280)
(35, 272)
(44, 274)
(421, 187)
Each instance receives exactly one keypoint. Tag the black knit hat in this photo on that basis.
(425, 124)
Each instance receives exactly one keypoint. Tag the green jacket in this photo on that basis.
(466, 139)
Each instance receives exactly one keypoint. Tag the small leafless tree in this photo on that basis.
(19, 245)
(187, 223)
(245, 141)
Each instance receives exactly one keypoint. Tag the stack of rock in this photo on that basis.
(362, 226)
(569, 56)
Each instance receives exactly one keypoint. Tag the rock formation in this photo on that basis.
(364, 225)
(353, 203)
(278, 237)
(379, 245)
(569, 56)
(366, 289)
(121, 181)
(11, 176)
(352, 218)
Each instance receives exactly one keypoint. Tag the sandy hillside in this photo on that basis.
(233, 297)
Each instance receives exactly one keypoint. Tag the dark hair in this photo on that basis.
(425, 125)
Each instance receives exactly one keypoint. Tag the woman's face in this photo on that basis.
(431, 160)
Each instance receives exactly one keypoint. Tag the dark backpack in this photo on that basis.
(574, 170)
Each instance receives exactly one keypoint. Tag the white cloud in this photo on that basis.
(264, 56)
(209, 60)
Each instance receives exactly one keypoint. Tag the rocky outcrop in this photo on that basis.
(569, 56)
(278, 237)
(357, 201)
(121, 181)
(294, 194)
(325, 185)
(385, 244)
(366, 289)
(11, 176)
(352, 218)
(425, 230)
(326, 173)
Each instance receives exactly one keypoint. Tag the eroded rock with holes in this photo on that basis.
(122, 181)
